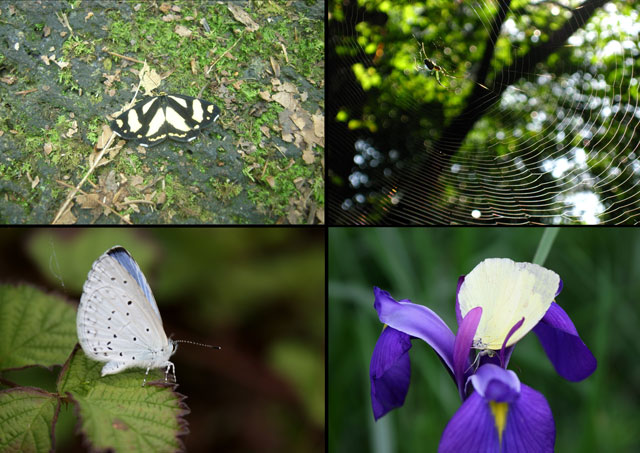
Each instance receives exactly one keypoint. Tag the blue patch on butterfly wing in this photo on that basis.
(122, 256)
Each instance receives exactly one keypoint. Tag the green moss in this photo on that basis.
(225, 190)
(75, 47)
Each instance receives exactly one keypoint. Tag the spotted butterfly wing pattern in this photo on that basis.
(118, 319)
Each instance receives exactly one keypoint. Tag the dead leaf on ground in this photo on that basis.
(181, 30)
(89, 201)
(265, 95)
(241, 16)
(307, 155)
(67, 217)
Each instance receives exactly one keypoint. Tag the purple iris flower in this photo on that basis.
(510, 295)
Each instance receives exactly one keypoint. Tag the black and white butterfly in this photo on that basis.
(156, 118)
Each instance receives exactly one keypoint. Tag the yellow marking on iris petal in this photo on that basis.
(499, 411)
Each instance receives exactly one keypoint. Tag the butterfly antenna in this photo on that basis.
(197, 344)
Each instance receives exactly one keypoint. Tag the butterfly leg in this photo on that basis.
(145, 377)
(173, 369)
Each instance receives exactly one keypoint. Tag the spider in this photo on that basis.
(431, 65)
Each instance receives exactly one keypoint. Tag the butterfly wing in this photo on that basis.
(155, 118)
(187, 116)
(507, 292)
(144, 122)
(118, 319)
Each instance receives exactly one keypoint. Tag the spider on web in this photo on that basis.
(430, 65)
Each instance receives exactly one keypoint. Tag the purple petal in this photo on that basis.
(462, 345)
(496, 384)
(559, 288)
(389, 371)
(497, 359)
(416, 321)
(530, 427)
(458, 314)
(569, 355)
(503, 349)
(471, 428)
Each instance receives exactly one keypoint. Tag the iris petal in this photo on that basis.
(389, 371)
(417, 321)
(571, 358)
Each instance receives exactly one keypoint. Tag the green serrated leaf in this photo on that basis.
(117, 412)
(35, 328)
(26, 414)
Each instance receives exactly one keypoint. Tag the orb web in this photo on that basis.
(526, 126)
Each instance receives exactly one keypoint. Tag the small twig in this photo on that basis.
(77, 188)
(138, 201)
(223, 54)
(64, 20)
(100, 202)
(124, 57)
(27, 91)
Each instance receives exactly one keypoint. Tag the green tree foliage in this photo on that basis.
(524, 88)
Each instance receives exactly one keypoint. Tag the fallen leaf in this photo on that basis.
(285, 99)
(67, 217)
(318, 125)
(241, 16)
(307, 155)
(181, 30)
(265, 95)
(170, 17)
(89, 201)
(298, 121)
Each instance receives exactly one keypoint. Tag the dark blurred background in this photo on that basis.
(600, 269)
(256, 292)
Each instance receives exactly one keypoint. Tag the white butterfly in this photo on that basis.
(118, 319)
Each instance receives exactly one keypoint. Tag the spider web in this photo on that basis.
(553, 139)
